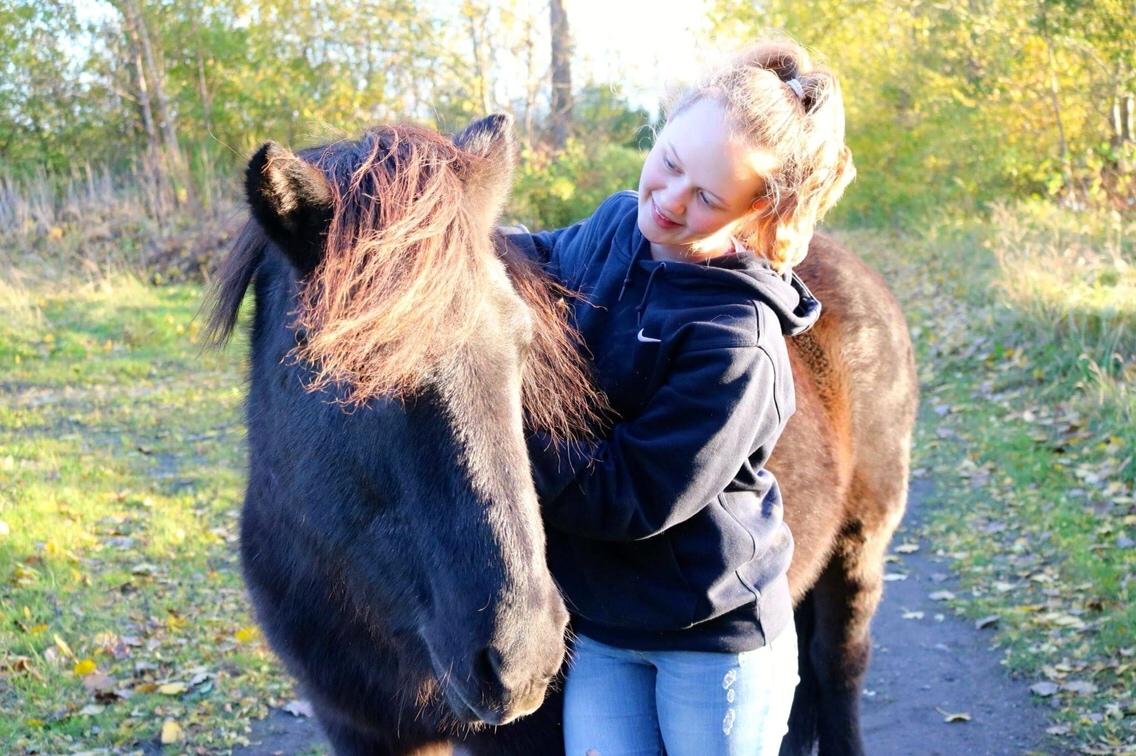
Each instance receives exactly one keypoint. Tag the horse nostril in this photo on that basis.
(489, 665)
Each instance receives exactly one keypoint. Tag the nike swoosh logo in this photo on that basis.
(647, 339)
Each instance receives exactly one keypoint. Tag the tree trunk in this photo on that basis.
(174, 160)
(475, 17)
(560, 117)
(154, 177)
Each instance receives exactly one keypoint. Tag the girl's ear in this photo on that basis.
(292, 201)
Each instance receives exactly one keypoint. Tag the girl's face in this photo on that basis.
(697, 184)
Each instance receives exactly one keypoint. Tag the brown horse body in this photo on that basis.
(843, 465)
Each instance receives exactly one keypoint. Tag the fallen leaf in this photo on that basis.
(907, 548)
(171, 732)
(299, 708)
(942, 596)
(1044, 689)
(891, 577)
(913, 615)
(91, 710)
(948, 716)
(63, 647)
(173, 689)
(247, 634)
(99, 683)
(1079, 687)
(986, 621)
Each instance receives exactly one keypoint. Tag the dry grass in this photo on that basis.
(92, 225)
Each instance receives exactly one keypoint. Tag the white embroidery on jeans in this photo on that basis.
(727, 682)
(728, 722)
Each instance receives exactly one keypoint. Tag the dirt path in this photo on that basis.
(925, 668)
(922, 669)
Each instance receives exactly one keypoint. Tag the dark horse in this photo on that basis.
(390, 535)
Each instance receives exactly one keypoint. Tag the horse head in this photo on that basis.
(414, 346)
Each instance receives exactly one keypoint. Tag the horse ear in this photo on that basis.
(489, 178)
(292, 201)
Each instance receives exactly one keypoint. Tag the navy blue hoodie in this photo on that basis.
(669, 534)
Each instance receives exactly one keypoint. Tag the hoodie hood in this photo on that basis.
(795, 306)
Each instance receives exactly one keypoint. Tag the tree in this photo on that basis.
(560, 117)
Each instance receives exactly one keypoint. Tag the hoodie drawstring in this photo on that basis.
(626, 278)
(643, 302)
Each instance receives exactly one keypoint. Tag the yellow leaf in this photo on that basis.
(247, 634)
(173, 689)
(37, 629)
(84, 667)
(171, 732)
(63, 647)
(949, 716)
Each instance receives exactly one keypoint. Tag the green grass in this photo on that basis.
(121, 472)
(1026, 430)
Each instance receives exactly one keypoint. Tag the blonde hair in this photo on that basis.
(805, 134)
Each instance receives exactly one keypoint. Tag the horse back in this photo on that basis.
(856, 393)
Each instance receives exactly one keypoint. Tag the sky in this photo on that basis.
(642, 44)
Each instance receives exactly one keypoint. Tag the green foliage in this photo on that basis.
(602, 114)
(553, 191)
(954, 104)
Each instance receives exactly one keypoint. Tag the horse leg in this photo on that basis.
(845, 598)
(802, 736)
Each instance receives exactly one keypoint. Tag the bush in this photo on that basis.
(553, 191)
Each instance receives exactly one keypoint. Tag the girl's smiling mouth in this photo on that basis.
(661, 220)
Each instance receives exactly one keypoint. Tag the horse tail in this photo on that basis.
(233, 277)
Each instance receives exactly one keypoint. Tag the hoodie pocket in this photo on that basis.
(637, 585)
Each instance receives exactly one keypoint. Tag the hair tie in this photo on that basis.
(795, 85)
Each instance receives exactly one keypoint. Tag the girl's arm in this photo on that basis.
(543, 248)
(720, 409)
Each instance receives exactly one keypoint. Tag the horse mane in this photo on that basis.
(401, 279)
(557, 390)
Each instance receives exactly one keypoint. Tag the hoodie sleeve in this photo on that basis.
(545, 247)
(717, 408)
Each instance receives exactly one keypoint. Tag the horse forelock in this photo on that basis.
(398, 288)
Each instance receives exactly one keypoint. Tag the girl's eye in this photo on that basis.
(667, 162)
(706, 200)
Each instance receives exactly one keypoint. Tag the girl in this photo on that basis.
(667, 537)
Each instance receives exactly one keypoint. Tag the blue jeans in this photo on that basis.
(620, 702)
